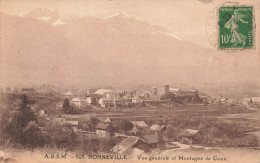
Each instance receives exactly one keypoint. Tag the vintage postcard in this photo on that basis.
(125, 81)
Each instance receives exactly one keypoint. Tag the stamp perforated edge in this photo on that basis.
(254, 27)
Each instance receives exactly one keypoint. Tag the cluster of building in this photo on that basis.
(132, 145)
(244, 101)
(110, 98)
(153, 138)
(143, 143)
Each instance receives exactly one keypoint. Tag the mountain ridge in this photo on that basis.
(96, 51)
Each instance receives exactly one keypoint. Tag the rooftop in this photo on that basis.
(104, 119)
(76, 99)
(174, 89)
(155, 127)
(151, 139)
(139, 123)
(104, 126)
(103, 91)
(129, 142)
(68, 94)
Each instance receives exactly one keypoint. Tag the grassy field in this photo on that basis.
(162, 112)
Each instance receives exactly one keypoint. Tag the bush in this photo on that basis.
(95, 145)
(90, 145)
(66, 105)
(126, 125)
(62, 136)
(89, 123)
(32, 136)
(20, 126)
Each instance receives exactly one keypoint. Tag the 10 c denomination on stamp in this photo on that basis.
(236, 30)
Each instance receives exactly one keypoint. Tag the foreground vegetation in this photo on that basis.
(21, 127)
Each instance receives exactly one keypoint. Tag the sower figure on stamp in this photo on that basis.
(233, 25)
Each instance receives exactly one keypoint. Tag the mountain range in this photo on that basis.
(120, 49)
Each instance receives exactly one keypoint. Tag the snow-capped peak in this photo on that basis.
(122, 14)
(171, 35)
(42, 14)
(58, 22)
(44, 18)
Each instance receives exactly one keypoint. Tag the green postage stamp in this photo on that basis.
(236, 30)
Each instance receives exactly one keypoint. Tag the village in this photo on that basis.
(135, 122)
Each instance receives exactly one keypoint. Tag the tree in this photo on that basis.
(66, 105)
(32, 135)
(92, 123)
(26, 114)
(18, 124)
(126, 125)
(62, 136)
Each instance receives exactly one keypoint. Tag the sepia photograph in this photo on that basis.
(123, 81)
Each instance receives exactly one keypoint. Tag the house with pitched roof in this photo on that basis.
(69, 95)
(139, 124)
(92, 100)
(137, 99)
(157, 128)
(104, 130)
(157, 141)
(105, 102)
(188, 135)
(104, 92)
(77, 101)
(191, 95)
(117, 102)
(104, 120)
(174, 90)
(131, 143)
